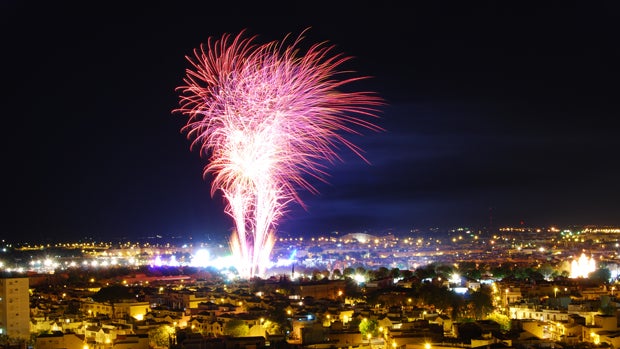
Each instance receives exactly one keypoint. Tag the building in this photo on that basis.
(332, 289)
(117, 310)
(59, 340)
(15, 307)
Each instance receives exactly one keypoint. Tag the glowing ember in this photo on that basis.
(267, 116)
(580, 268)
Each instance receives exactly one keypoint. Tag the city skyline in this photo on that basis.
(495, 114)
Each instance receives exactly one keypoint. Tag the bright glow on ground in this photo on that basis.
(580, 268)
(359, 278)
(201, 258)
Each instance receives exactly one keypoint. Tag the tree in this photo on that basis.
(279, 318)
(316, 275)
(444, 270)
(113, 293)
(236, 328)
(348, 272)
(73, 307)
(547, 271)
(600, 275)
(160, 336)
(11, 342)
(336, 274)
(426, 272)
(468, 331)
(407, 274)
(608, 309)
(351, 288)
(367, 327)
(381, 273)
(443, 299)
(395, 273)
(503, 321)
(471, 270)
(481, 302)
(272, 327)
(501, 271)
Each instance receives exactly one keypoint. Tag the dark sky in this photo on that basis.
(502, 108)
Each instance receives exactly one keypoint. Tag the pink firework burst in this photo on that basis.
(267, 117)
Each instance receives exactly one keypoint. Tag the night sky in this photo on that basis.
(497, 113)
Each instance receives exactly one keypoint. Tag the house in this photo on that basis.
(59, 340)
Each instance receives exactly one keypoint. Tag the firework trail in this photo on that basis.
(266, 117)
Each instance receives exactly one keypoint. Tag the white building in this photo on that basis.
(15, 307)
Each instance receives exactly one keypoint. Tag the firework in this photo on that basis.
(267, 117)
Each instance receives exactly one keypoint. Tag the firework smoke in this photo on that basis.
(266, 117)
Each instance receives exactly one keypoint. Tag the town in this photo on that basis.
(514, 287)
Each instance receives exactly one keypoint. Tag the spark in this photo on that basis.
(267, 117)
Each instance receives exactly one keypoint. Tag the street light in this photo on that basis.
(555, 292)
